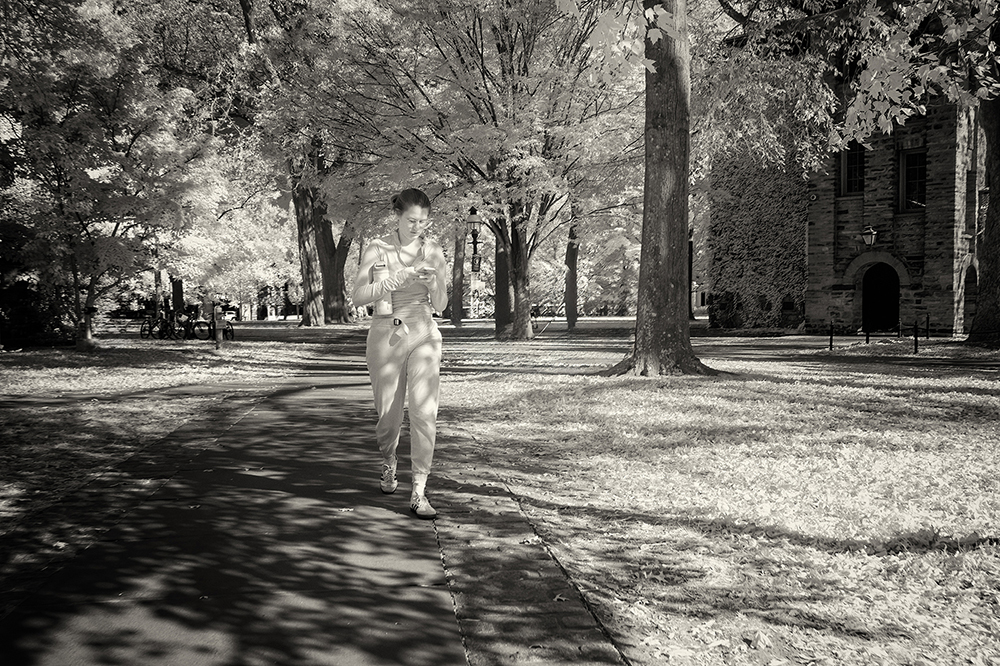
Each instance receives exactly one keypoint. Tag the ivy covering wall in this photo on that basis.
(757, 244)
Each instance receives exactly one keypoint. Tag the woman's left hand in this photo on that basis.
(426, 274)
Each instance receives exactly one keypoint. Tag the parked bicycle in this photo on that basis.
(152, 326)
(175, 326)
(185, 327)
(228, 332)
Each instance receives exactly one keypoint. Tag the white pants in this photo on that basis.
(406, 358)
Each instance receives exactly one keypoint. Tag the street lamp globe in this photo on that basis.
(475, 222)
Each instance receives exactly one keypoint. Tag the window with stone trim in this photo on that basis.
(913, 180)
(852, 169)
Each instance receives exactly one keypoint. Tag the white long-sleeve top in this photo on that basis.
(409, 295)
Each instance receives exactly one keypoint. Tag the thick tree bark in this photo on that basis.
(335, 304)
(662, 336)
(458, 277)
(305, 200)
(986, 324)
(333, 262)
(572, 254)
(502, 291)
(520, 280)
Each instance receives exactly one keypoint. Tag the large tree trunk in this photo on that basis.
(572, 255)
(335, 304)
(662, 336)
(520, 280)
(305, 200)
(986, 324)
(458, 277)
(333, 261)
(502, 291)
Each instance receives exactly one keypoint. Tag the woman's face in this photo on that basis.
(412, 222)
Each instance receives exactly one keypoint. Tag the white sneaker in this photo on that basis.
(421, 507)
(388, 481)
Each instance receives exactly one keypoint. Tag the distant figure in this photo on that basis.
(403, 275)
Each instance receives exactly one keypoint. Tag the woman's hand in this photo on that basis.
(426, 274)
(433, 273)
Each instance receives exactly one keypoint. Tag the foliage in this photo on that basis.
(907, 54)
(756, 236)
(107, 156)
(485, 105)
(248, 243)
(28, 309)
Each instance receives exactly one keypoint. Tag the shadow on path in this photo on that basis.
(274, 546)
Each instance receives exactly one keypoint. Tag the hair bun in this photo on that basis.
(410, 197)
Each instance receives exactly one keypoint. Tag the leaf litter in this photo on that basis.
(794, 513)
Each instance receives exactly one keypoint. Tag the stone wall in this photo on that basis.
(930, 249)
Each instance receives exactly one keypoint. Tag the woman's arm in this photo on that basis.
(438, 286)
(365, 291)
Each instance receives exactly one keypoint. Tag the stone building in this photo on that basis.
(920, 191)
(777, 239)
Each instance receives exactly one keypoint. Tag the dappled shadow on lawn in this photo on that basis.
(754, 406)
(272, 546)
(674, 576)
(596, 462)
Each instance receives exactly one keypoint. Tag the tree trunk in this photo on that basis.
(572, 254)
(690, 274)
(502, 291)
(458, 277)
(177, 294)
(157, 290)
(520, 280)
(333, 261)
(338, 312)
(986, 323)
(305, 200)
(85, 327)
(662, 336)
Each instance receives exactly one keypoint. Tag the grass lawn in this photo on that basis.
(815, 511)
(806, 508)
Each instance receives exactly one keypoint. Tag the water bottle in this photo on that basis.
(383, 306)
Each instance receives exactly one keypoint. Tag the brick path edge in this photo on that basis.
(515, 603)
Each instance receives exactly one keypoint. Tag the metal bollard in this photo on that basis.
(831, 336)
(916, 336)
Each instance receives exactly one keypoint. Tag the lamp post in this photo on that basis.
(475, 226)
(868, 235)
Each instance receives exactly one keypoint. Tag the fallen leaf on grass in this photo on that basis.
(757, 640)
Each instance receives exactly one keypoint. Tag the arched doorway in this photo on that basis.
(971, 295)
(880, 299)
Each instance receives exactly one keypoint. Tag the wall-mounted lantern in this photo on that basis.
(869, 235)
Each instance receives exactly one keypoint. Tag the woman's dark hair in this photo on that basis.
(408, 198)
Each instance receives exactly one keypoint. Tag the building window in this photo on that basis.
(852, 169)
(913, 180)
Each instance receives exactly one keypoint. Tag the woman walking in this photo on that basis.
(404, 275)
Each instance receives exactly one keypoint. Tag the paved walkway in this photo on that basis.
(267, 542)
